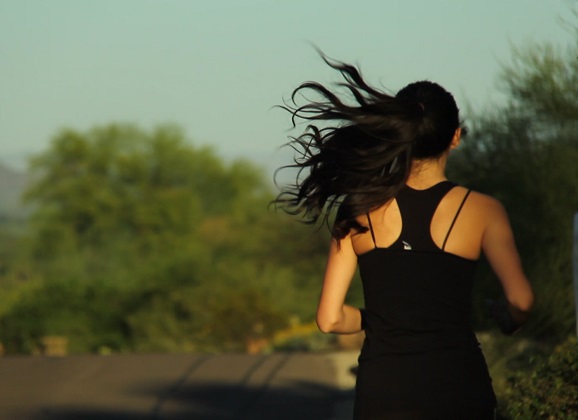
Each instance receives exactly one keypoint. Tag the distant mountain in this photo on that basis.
(12, 185)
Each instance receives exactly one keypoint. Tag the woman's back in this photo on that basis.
(466, 224)
(462, 234)
(417, 295)
(418, 308)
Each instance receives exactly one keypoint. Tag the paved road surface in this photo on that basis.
(278, 386)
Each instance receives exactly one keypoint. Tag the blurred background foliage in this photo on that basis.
(141, 241)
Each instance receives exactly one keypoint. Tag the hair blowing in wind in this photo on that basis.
(356, 151)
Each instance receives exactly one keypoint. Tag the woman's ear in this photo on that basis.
(456, 139)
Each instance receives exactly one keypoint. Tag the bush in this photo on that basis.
(543, 385)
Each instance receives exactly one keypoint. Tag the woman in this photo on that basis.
(416, 238)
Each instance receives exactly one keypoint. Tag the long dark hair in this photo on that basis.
(363, 159)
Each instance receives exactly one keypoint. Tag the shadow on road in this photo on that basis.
(277, 386)
(299, 400)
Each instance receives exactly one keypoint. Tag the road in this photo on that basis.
(277, 386)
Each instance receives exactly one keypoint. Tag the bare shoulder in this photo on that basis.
(487, 209)
(485, 202)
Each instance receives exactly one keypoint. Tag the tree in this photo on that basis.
(129, 227)
(119, 179)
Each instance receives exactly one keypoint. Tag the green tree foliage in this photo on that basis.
(141, 242)
(121, 180)
(525, 153)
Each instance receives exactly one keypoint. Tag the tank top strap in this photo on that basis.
(371, 230)
(455, 218)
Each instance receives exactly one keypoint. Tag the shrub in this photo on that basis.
(544, 385)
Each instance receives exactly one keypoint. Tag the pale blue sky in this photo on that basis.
(217, 67)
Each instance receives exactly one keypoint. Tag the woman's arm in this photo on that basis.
(333, 316)
(500, 249)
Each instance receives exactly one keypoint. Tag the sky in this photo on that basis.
(218, 67)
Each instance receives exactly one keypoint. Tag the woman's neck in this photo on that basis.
(427, 172)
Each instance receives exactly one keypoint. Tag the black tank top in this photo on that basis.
(417, 296)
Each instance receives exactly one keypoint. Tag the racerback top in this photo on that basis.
(417, 296)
